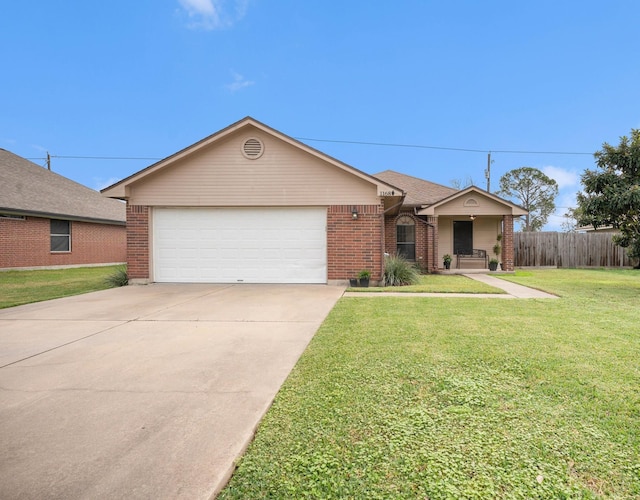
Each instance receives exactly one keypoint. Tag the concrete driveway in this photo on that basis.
(144, 391)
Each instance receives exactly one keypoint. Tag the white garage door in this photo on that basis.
(237, 245)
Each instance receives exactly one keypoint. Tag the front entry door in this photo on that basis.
(462, 237)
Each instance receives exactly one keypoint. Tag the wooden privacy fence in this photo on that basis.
(568, 250)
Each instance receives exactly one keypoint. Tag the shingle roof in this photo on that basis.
(419, 192)
(28, 189)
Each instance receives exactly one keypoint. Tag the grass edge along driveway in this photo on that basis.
(25, 287)
(440, 398)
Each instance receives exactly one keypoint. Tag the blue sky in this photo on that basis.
(147, 78)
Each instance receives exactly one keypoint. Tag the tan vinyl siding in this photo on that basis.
(465, 206)
(485, 231)
(220, 175)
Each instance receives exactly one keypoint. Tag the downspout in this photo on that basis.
(433, 247)
(384, 236)
(394, 206)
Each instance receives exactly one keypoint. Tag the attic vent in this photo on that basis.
(252, 148)
(471, 202)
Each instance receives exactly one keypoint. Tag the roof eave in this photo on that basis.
(119, 189)
(516, 210)
(51, 215)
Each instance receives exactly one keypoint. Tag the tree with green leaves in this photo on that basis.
(611, 195)
(533, 191)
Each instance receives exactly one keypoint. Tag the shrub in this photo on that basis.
(118, 278)
(398, 271)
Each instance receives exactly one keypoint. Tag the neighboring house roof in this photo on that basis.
(120, 189)
(29, 189)
(601, 229)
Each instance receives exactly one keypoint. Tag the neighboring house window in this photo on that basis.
(60, 235)
(406, 237)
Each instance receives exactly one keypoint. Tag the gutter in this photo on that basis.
(49, 215)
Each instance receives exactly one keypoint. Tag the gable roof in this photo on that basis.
(119, 189)
(29, 189)
(419, 192)
(515, 209)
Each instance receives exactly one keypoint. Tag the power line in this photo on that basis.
(468, 150)
(98, 157)
(336, 141)
(106, 157)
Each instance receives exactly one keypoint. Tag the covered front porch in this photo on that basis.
(471, 229)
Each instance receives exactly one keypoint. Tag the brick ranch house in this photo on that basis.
(249, 204)
(49, 221)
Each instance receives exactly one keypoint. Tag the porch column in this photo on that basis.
(507, 243)
(432, 243)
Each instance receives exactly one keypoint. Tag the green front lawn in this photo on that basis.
(437, 283)
(403, 397)
(24, 287)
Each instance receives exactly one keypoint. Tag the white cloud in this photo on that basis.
(213, 14)
(565, 178)
(239, 82)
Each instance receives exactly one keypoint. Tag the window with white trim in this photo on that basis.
(60, 235)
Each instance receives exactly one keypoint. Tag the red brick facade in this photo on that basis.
(27, 243)
(507, 243)
(138, 241)
(426, 238)
(354, 244)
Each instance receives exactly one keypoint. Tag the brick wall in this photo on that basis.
(26, 243)
(138, 241)
(507, 243)
(354, 245)
(426, 237)
(432, 244)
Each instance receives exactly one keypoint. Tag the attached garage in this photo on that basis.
(240, 245)
(249, 204)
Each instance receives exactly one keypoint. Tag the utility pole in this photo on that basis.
(48, 161)
(487, 172)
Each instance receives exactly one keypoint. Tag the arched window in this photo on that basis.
(406, 237)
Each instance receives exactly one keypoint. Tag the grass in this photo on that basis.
(436, 283)
(24, 287)
(458, 398)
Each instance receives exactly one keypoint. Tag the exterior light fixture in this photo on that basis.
(354, 213)
(472, 217)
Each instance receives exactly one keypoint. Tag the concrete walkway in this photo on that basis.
(144, 391)
(512, 291)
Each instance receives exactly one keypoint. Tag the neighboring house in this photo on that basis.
(249, 204)
(600, 229)
(47, 220)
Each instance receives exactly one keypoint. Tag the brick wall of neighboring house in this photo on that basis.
(27, 243)
(354, 245)
(507, 243)
(138, 241)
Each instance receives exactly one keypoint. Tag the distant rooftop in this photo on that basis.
(29, 189)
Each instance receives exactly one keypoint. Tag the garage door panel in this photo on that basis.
(275, 245)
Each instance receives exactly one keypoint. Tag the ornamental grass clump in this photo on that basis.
(118, 278)
(398, 272)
